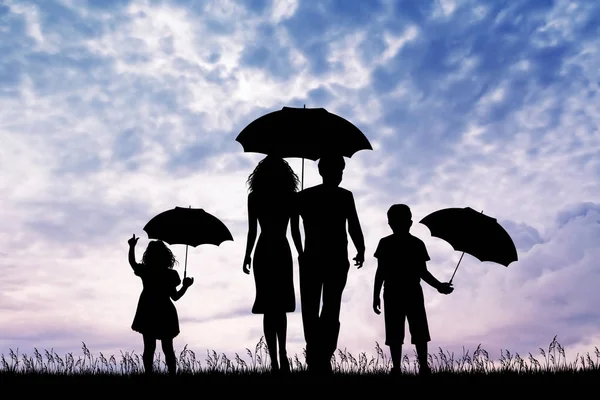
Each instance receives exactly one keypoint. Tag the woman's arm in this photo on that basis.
(252, 228)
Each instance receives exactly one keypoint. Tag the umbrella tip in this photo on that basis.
(305, 106)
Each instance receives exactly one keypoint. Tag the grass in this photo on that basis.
(552, 366)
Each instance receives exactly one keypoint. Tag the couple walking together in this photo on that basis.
(325, 209)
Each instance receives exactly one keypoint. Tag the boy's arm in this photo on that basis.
(355, 230)
(425, 274)
(377, 288)
(379, 255)
(430, 279)
(378, 280)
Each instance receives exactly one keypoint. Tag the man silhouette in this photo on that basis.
(325, 209)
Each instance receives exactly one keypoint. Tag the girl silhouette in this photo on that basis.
(272, 188)
(156, 317)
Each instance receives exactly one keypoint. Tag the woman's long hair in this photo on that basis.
(273, 175)
(158, 256)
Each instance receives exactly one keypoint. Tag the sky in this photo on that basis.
(112, 111)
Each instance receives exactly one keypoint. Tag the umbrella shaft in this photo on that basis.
(457, 266)
(302, 181)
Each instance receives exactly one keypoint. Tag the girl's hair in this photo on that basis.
(158, 255)
(273, 174)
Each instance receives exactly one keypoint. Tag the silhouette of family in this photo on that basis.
(328, 213)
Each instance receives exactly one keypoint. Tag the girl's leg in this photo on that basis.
(270, 329)
(148, 355)
(167, 346)
(282, 338)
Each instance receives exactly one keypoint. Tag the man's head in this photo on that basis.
(399, 218)
(331, 169)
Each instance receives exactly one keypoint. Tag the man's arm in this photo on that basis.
(295, 226)
(355, 231)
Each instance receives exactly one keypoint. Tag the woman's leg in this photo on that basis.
(270, 329)
(167, 346)
(148, 355)
(282, 338)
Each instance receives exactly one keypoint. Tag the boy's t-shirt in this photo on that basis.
(403, 259)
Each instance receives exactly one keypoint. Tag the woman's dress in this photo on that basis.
(273, 263)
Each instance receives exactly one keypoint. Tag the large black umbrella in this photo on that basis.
(474, 233)
(189, 226)
(302, 133)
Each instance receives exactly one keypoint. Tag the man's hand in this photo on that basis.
(359, 260)
(377, 305)
(445, 288)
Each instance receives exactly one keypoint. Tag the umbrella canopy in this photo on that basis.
(303, 133)
(473, 233)
(189, 226)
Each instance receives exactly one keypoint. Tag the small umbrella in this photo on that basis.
(302, 133)
(474, 233)
(189, 226)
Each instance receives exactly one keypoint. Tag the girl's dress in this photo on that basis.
(156, 315)
(273, 263)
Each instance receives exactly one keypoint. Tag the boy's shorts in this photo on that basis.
(409, 305)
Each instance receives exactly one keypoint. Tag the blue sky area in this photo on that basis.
(113, 111)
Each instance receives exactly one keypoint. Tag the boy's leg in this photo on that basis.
(419, 331)
(394, 319)
(396, 353)
(422, 355)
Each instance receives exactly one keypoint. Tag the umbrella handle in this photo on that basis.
(185, 267)
(461, 257)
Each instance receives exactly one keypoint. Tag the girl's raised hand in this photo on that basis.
(133, 240)
(187, 282)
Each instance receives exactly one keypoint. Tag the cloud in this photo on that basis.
(132, 107)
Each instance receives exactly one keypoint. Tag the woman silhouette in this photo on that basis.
(272, 188)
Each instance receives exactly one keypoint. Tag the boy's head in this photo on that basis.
(399, 218)
(331, 169)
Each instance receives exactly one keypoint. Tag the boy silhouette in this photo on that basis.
(401, 264)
